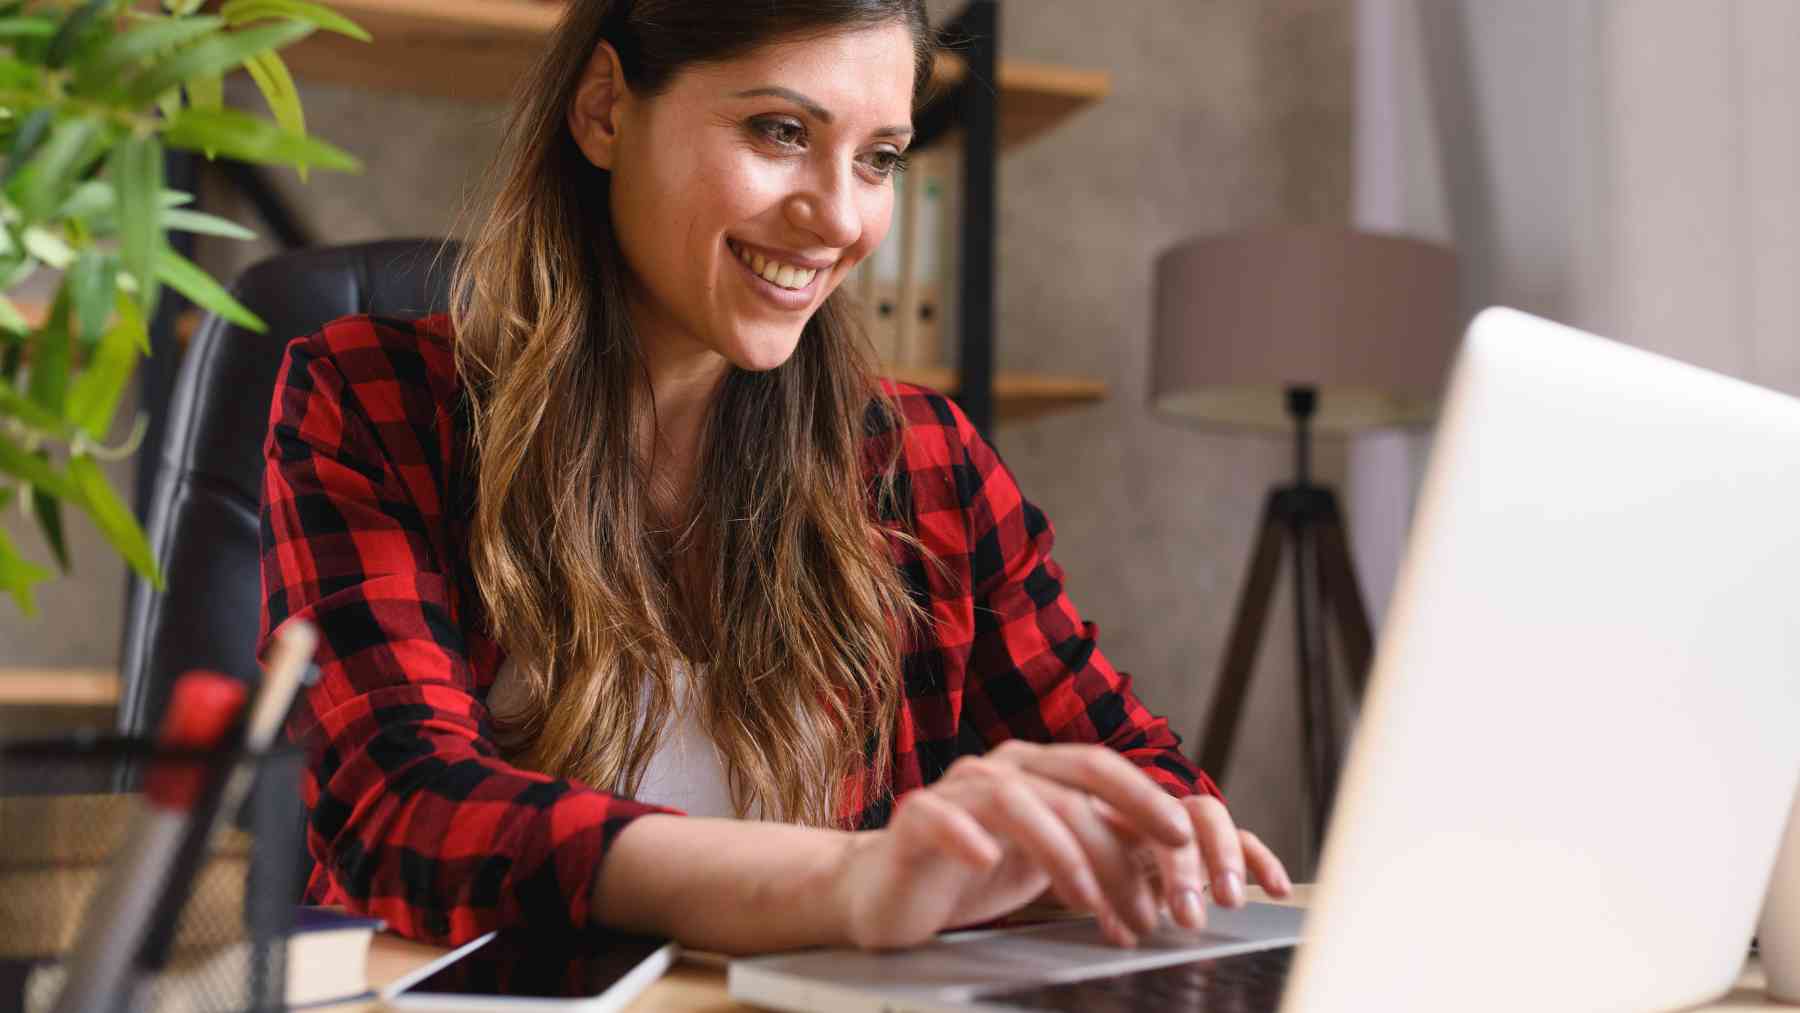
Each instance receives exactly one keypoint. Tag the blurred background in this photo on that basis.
(1631, 167)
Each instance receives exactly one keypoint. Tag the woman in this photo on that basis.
(645, 537)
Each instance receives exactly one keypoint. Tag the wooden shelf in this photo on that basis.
(479, 49)
(1034, 97)
(59, 687)
(1017, 396)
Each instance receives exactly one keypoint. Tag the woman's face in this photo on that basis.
(745, 192)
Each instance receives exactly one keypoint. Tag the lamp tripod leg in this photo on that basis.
(1227, 706)
(1318, 722)
(1345, 596)
(1339, 595)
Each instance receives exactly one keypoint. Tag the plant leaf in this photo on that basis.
(153, 35)
(186, 277)
(34, 470)
(277, 87)
(94, 396)
(27, 26)
(240, 12)
(137, 176)
(169, 103)
(206, 91)
(18, 575)
(89, 198)
(48, 247)
(205, 224)
(251, 139)
(48, 383)
(13, 403)
(48, 511)
(215, 54)
(69, 32)
(53, 167)
(37, 122)
(112, 517)
(19, 75)
(90, 281)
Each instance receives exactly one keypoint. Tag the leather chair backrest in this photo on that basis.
(204, 514)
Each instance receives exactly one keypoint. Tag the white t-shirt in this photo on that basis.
(686, 771)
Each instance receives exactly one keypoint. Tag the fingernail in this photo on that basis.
(1188, 909)
(1231, 889)
(1115, 932)
(1147, 914)
(1123, 936)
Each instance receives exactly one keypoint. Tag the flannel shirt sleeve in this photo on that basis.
(1036, 671)
(412, 815)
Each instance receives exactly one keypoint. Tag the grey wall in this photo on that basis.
(1224, 113)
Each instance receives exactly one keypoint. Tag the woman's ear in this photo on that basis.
(594, 113)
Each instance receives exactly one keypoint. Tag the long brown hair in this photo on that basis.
(797, 613)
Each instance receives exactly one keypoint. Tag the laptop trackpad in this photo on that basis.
(965, 964)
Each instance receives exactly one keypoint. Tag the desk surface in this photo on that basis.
(692, 987)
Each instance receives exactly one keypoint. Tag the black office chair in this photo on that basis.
(203, 520)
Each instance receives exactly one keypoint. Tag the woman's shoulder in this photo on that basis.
(389, 364)
(936, 432)
(403, 349)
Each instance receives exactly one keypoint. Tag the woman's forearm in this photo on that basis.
(736, 886)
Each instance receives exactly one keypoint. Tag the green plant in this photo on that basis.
(91, 94)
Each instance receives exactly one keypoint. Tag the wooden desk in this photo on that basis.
(692, 987)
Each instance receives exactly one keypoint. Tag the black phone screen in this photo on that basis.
(526, 965)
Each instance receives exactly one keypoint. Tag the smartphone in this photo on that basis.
(594, 971)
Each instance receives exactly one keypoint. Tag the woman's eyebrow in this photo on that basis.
(817, 111)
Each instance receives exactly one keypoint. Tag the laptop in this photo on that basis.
(1577, 750)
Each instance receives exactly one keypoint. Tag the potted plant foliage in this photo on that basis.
(92, 95)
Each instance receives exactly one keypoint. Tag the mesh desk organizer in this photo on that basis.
(62, 823)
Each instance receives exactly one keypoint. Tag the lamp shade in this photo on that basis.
(1368, 320)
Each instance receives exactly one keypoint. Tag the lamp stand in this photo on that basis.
(1325, 586)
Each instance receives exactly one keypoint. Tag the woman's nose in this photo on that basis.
(828, 210)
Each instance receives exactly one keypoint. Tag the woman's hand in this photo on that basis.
(1080, 821)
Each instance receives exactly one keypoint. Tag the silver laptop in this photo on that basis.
(1580, 740)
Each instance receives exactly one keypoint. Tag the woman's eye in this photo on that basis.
(888, 163)
(786, 133)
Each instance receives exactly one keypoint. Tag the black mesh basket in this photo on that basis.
(63, 821)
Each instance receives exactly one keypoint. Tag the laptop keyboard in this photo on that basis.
(1245, 983)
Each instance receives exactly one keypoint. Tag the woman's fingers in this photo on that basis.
(1102, 772)
(1179, 869)
(1110, 850)
(1264, 866)
(1220, 848)
(1015, 809)
(933, 824)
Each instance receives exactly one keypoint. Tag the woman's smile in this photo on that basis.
(789, 282)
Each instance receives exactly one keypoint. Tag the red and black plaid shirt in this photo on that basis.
(413, 815)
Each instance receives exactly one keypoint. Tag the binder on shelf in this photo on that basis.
(905, 284)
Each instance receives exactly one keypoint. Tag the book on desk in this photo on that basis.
(326, 962)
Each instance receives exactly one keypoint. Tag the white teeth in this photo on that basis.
(776, 273)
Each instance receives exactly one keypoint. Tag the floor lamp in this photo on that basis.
(1301, 329)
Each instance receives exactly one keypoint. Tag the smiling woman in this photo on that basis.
(643, 601)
